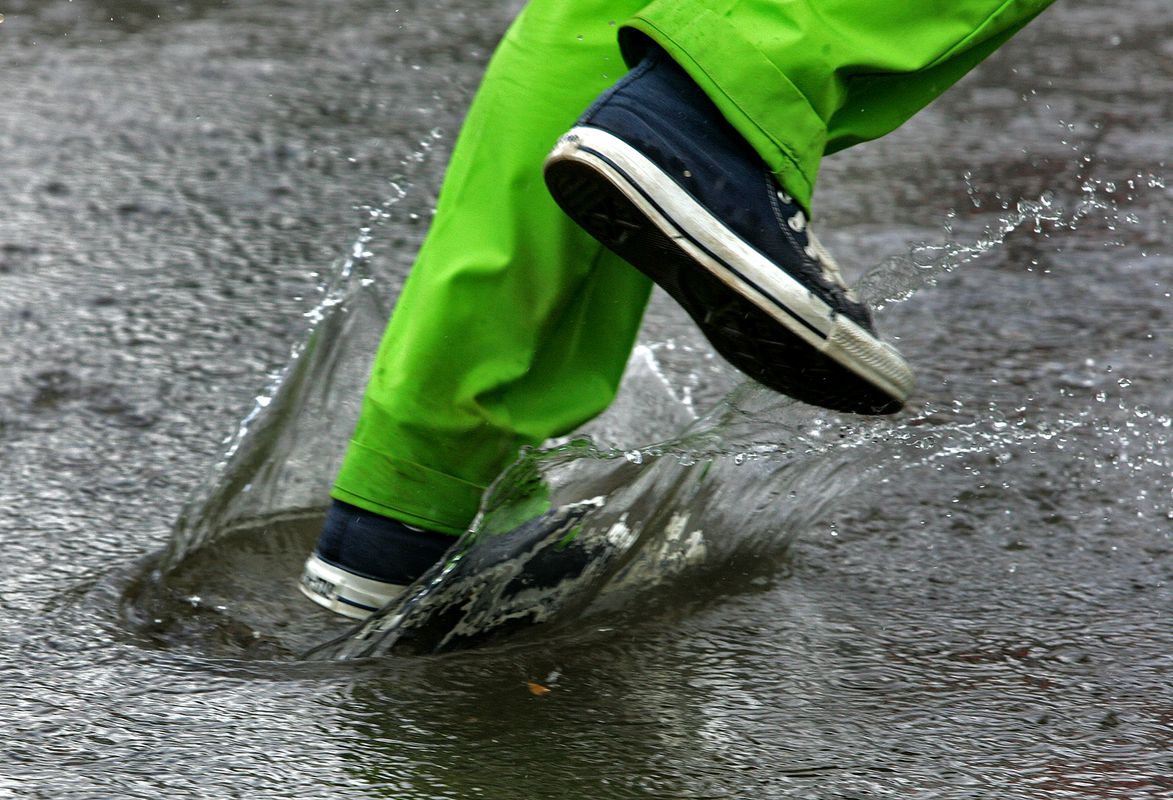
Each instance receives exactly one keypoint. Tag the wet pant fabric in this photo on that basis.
(514, 325)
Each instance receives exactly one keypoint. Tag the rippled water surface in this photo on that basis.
(969, 600)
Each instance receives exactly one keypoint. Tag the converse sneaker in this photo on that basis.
(655, 173)
(364, 560)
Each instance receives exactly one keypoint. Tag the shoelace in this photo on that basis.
(830, 266)
(814, 248)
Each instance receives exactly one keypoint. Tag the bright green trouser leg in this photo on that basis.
(514, 325)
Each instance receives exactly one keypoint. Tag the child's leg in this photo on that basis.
(514, 324)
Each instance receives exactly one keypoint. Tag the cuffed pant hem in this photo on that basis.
(409, 492)
(780, 125)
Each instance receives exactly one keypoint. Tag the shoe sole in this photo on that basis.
(759, 318)
(342, 591)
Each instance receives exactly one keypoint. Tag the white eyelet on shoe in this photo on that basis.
(797, 223)
(785, 198)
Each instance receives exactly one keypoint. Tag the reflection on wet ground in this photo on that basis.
(981, 613)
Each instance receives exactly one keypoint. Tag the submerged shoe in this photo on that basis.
(364, 560)
(655, 173)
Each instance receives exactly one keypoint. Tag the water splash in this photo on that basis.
(284, 452)
(901, 276)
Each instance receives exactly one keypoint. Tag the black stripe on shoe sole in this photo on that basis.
(701, 246)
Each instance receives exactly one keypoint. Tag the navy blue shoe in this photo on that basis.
(655, 173)
(364, 560)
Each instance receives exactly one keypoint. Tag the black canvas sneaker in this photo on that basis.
(655, 173)
(364, 560)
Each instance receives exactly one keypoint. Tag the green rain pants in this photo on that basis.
(514, 325)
